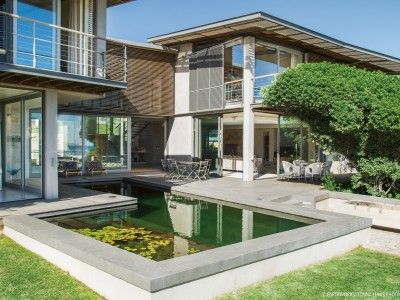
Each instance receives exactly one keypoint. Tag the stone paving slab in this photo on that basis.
(271, 190)
(71, 199)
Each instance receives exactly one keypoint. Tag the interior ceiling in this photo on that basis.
(236, 119)
(280, 31)
(7, 93)
(65, 98)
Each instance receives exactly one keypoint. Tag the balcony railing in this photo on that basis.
(234, 91)
(31, 43)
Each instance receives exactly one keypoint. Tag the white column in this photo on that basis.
(248, 114)
(50, 145)
(247, 225)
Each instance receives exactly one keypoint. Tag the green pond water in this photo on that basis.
(166, 226)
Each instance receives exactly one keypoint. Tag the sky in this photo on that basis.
(372, 24)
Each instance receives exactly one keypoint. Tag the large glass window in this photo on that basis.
(233, 72)
(69, 139)
(269, 61)
(295, 141)
(106, 141)
(36, 41)
(23, 145)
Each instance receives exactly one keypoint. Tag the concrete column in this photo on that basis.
(248, 114)
(129, 145)
(247, 225)
(50, 145)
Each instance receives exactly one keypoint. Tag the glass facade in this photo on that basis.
(295, 141)
(35, 41)
(23, 144)
(271, 60)
(69, 139)
(92, 138)
(233, 72)
(106, 140)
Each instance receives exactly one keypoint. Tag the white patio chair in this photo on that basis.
(290, 170)
(299, 162)
(313, 170)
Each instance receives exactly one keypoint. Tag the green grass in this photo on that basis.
(358, 271)
(24, 275)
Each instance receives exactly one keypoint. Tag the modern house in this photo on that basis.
(51, 52)
(71, 95)
(219, 72)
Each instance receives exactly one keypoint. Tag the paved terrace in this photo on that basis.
(72, 200)
(266, 190)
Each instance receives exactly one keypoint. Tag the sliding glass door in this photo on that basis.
(208, 141)
(23, 144)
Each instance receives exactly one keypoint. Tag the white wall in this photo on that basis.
(182, 79)
(180, 138)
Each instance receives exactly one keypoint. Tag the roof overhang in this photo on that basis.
(117, 2)
(38, 78)
(278, 30)
(140, 45)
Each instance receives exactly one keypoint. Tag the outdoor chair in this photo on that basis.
(172, 169)
(326, 168)
(95, 167)
(70, 168)
(164, 165)
(201, 173)
(209, 161)
(299, 162)
(290, 170)
(313, 170)
(258, 166)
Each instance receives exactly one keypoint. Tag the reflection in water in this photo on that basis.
(166, 226)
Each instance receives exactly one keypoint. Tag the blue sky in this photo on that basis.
(372, 24)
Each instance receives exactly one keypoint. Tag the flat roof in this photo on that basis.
(264, 25)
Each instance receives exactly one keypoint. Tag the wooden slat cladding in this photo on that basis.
(150, 81)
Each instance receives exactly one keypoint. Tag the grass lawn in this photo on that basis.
(358, 271)
(24, 275)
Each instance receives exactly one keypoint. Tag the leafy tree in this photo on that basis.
(349, 110)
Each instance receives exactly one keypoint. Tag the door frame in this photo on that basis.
(197, 146)
(21, 99)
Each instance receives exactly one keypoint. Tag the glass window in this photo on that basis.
(106, 141)
(33, 144)
(69, 139)
(13, 147)
(285, 60)
(23, 145)
(233, 63)
(35, 41)
(266, 61)
(233, 73)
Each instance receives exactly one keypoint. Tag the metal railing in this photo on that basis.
(261, 82)
(234, 91)
(40, 45)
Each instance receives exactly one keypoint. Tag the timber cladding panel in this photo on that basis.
(150, 81)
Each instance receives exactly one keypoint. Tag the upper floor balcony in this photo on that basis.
(34, 52)
(216, 74)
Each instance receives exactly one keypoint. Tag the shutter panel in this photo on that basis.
(206, 79)
(193, 82)
(216, 77)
